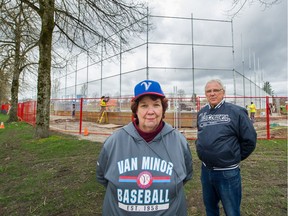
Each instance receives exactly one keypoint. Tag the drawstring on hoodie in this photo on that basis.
(177, 175)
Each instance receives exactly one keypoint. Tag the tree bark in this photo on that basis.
(15, 83)
(44, 72)
(16, 73)
(14, 96)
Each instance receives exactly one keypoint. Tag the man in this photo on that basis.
(73, 110)
(103, 104)
(252, 108)
(226, 136)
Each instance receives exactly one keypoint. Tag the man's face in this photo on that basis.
(214, 93)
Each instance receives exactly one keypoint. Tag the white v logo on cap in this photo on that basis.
(147, 85)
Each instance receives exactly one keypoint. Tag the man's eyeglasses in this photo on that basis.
(213, 90)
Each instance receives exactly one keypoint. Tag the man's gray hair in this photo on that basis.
(217, 81)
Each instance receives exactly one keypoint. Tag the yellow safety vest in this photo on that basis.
(102, 102)
(252, 108)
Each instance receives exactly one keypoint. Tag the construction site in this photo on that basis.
(87, 123)
(177, 63)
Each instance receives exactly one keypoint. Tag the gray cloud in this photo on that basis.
(263, 32)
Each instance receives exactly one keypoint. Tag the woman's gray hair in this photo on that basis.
(217, 81)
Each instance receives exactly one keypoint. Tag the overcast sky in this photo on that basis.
(263, 32)
(258, 33)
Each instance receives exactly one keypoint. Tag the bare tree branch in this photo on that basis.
(238, 5)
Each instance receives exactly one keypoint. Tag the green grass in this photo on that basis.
(56, 176)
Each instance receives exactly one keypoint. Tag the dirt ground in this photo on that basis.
(100, 132)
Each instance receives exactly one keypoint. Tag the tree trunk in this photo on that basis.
(14, 96)
(16, 74)
(44, 71)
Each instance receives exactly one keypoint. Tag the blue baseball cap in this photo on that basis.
(147, 87)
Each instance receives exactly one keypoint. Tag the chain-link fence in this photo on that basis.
(81, 115)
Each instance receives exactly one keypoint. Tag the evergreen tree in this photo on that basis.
(268, 88)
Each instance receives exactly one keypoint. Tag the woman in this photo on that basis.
(145, 164)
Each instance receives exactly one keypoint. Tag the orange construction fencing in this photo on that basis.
(27, 112)
(81, 114)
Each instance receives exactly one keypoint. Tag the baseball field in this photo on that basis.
(56, 176)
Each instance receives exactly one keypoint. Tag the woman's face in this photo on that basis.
(149, 113)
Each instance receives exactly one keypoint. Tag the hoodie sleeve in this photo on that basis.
(248, 135)
(101, 167)
(188, 164)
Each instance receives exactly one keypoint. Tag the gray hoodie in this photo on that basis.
(144, 178)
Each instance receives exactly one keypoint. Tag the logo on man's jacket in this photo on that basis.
(212, 119)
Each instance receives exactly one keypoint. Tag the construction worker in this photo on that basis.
(103, 104)
(73, 110)
(252, 108)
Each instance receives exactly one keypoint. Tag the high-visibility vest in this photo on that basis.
(103, 102)
(252, 108)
